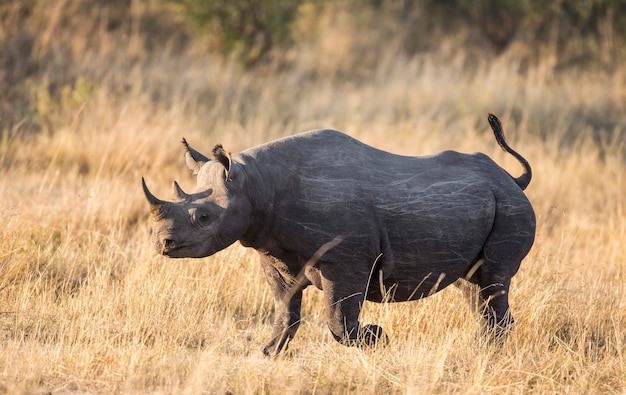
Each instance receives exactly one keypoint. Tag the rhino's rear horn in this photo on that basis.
(179, 192)
(155, 203)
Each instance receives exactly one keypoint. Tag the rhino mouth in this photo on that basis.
(170, 248)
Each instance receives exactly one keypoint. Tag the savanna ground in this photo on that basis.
(87, 306)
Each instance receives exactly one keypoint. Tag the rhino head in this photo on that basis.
(215, 215)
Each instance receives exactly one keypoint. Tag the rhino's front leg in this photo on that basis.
(286, 323)
(287, 304)
(344, 293)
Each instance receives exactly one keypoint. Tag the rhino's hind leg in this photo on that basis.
(511, 237)
(488, 301)
(494, 325)
(494, 307)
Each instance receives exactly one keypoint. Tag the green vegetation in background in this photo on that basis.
(580, 31)
(250, 27)
(54, 57)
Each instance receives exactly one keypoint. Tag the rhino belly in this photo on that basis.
(415, 281)
(430, 256)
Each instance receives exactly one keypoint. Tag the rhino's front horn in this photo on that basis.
(179, 191)
(155, 203)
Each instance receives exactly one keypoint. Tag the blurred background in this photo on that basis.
(54, 56)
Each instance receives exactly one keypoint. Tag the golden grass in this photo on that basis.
(87, 306)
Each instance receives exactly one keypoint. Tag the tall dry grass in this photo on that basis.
(86, 306)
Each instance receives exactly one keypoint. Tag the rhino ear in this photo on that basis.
(224, 158)
(193, 158)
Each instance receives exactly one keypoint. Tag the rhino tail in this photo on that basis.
(523, 180)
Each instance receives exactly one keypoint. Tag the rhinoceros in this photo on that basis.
(358, 223)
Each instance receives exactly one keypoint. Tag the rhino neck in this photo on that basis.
(260, 186)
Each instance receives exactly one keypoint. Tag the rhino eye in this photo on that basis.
(202, 218)
(198, 216)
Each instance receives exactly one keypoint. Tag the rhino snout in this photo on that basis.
(165, 246)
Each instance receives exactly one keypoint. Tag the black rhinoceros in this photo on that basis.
(356, 222)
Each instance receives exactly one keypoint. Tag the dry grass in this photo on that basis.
(86, 306)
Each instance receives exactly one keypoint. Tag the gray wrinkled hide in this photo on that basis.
(394, 228)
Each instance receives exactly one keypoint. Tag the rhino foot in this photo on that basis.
(366, 336)
(277, 345)
(494, 331)
(372, 336)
